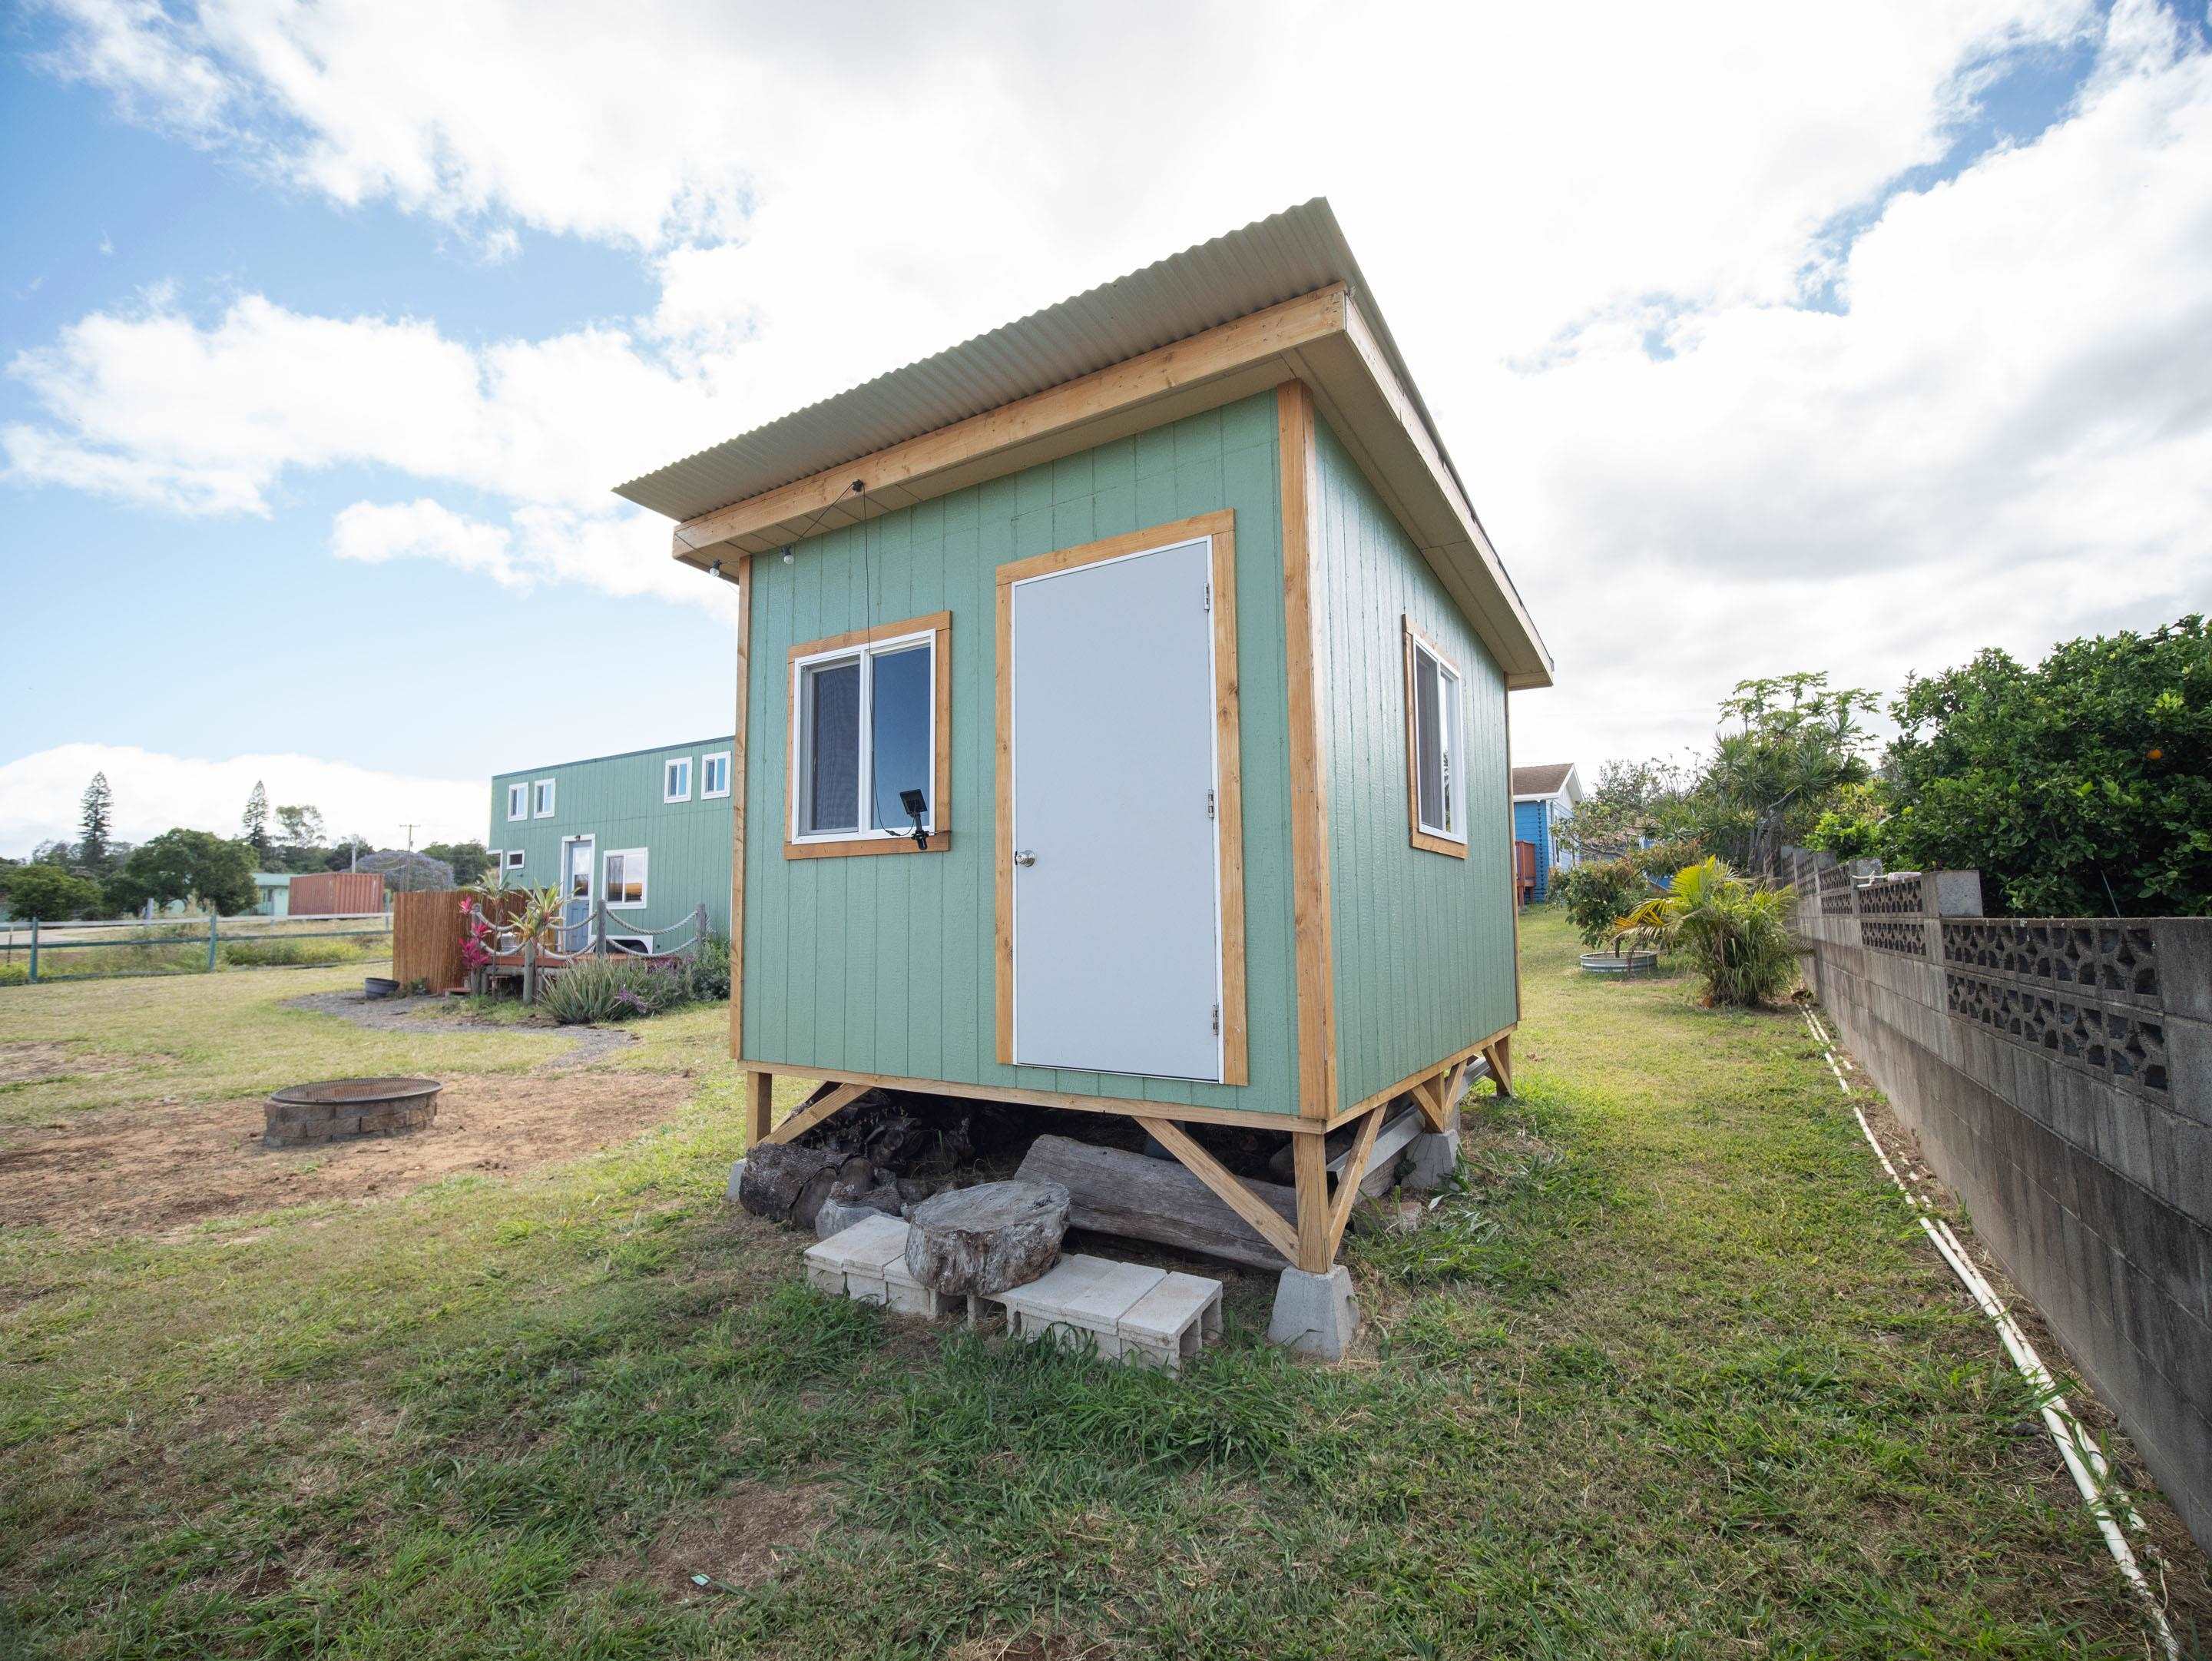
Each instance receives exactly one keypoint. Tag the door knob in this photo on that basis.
(1025, 858)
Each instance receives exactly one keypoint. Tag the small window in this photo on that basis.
(1436, 760)
(864, 734)
(541, 799)
(625, 879)
(514, 858)
(714, 774)
(676, 780)
(518, 801)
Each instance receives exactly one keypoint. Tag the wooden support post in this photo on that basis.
(598, 925)
(829, 1100)
(1347, 1181)
(759, 1098)
(530, 970)
(34, 950)
(1500, 1054)
(1309, 1161)
(1229, 1189)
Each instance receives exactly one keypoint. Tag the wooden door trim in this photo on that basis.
(1229, 772)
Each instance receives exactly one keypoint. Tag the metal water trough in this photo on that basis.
(1620, 963)
(338, 1109)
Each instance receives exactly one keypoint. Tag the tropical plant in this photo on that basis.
(1736, 931)
(596, 990)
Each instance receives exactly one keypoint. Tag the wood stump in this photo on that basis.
(976, 1242)
(787, 1181)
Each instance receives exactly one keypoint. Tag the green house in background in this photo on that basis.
(1121, 724)
(647, 831)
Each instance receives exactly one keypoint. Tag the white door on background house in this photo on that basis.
(1116, 933)
(576, 891)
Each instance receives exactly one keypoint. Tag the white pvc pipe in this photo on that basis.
(2085, 1460)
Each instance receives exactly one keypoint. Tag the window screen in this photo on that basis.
(898, 734)
(1436, 761)
(830, 723)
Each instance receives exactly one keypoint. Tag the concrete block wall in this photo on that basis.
(2058, 1074)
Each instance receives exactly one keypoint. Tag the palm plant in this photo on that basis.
(1736, 931)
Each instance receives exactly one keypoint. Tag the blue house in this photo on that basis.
(1544, 799)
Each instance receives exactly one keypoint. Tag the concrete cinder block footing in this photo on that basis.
(1314, 1314)
(1431, 1159)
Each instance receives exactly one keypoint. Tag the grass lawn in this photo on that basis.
(1676, 1376)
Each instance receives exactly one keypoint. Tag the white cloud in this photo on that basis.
(1999, 438)
(40, 794)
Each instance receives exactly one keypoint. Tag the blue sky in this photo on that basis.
(1777, 313)
(211, 636)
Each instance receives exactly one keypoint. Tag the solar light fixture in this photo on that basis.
(916, 804)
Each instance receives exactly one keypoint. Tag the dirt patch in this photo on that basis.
(587, 1043)
(32, 1063)
(131, 1171)
(740, 1540)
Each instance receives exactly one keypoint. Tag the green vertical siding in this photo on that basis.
(1424, 942)
(616, 798)
(885, 965)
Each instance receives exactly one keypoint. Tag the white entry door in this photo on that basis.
(1116, 905)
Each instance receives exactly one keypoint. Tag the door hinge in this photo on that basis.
(1209, 597)
(1209, 804)
(1216, 1017)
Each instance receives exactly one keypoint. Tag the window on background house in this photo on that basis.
(625, 878)
(514, 858)
(1436, 743)
(714, 774)
(865, 733)
(541, 799)
(676, 780)
(518, 801)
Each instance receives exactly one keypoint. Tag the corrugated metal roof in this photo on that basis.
(1277, 258)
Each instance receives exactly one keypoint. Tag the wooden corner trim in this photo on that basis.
(1314, 957)
(1148, 539)
(937, 625)
(740, 788)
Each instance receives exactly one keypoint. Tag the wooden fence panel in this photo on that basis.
(426, 939)
(336, 893)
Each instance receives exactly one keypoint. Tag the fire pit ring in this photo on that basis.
(336, 1110)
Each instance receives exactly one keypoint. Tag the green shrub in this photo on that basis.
(1596, 895)
(598, 989)
(707, 972)
(1735, 932)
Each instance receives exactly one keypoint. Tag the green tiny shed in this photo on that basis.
(1122, 720)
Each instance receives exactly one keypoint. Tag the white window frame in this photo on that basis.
(518, 801)
(1451, 704)
(543, 795)
(514, 858)
(707, 774)
(865, 747)
(668, 775)
(644, 857)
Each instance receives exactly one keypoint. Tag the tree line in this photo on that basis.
(98, 876)
(2081, 786)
